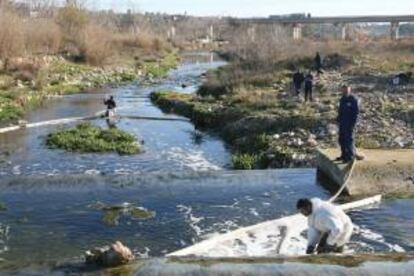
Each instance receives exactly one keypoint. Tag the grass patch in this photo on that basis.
(64, 89)
(3, 206)
(86, 137)
(160, 68)
(9, 111)
(244, 161)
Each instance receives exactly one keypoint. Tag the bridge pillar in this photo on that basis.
(251, 33)
(395, 30)
(211, 32)
(171, 33)
(297, 31)
(344, 31)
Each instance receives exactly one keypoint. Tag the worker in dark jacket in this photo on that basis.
(347, 119)
(308, 86)
(110, 106)
(318, 63)
(298, 79)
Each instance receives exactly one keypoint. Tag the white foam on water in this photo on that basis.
(231, 206)
(92, 172)
(144, 254)
(191, 219)
(254, 212)
(16, 170)
(378, 238)
(192, 159)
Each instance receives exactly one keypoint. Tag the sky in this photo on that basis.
(251, 8)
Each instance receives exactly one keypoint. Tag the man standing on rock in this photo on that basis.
(347, 118)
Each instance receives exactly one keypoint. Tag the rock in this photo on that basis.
(297, 142)
(22, 123)
(312, 142)
(110, 256)
(399, 141)
(332, 129)
(19, 84)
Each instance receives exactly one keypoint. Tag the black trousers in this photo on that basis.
(323, 246)
(347, 143)
(308, 93)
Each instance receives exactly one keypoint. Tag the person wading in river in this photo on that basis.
(347, 119)
(110, 106)
(329, 227)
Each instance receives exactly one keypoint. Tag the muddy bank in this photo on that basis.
(387, 172)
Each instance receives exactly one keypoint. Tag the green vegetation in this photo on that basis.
(244, 161)
(88, 138)
(160, 68)
(3, 206)
(9, 110)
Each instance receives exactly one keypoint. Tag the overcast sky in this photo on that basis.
(248, 8)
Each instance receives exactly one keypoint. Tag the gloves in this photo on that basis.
(310, 249)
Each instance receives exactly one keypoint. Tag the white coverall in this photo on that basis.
(328, 218)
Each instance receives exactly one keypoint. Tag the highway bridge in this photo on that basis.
(341, 21)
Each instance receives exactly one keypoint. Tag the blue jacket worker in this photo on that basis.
(347, 119)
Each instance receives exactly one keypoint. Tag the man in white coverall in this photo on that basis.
(329, 227)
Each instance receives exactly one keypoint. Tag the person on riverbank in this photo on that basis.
(308, 86)
(298, 79)
(329, 227)
(347, 119)
(318, 64)
(110, 106)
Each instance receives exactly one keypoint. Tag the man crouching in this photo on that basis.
(329, 227)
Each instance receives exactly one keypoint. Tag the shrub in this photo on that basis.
(88, 138)
(11, 36)
(244, 161)
(42, 36)
(96, 45)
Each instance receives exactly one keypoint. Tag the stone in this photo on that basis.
(22, 123)
(332, 129)
(19, 84)
(110, 256)
(312, 142)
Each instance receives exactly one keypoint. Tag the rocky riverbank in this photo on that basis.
(31, 80)
(255, 111)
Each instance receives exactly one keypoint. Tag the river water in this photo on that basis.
(183, 177)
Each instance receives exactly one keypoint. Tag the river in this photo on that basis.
(182, 176)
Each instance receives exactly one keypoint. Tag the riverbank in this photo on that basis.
(35, 79)
(250, 104)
